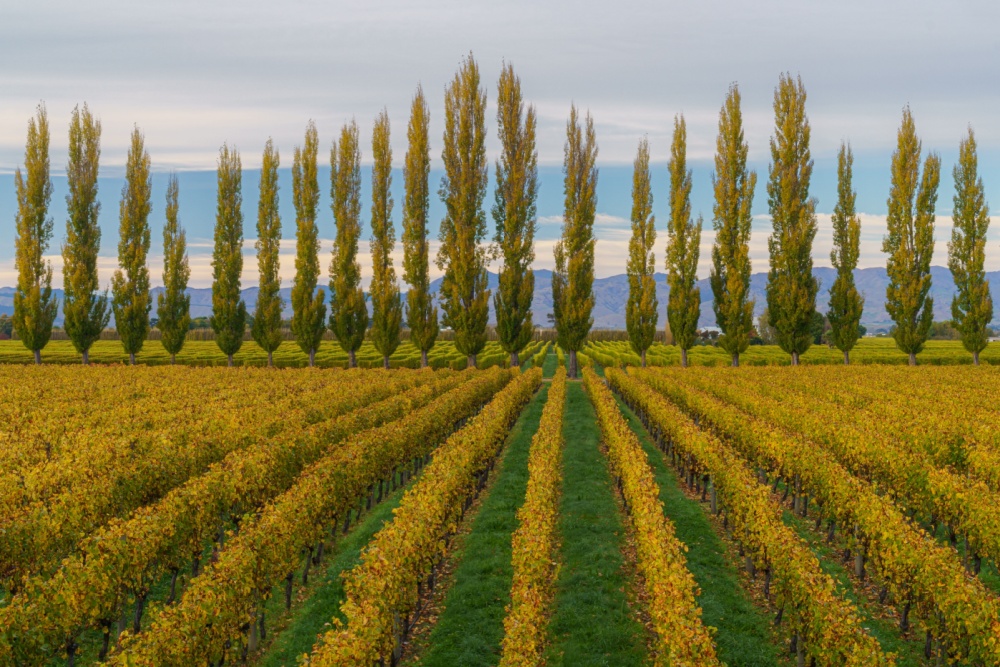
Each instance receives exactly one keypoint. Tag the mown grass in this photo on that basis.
(469, 629)
(317, 604)
(743, 635)
(592, 623)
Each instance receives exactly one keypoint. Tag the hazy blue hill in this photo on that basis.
(611, 295)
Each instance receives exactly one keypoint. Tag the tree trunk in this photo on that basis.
(230, 358)
(736, 359)
(572, 364)
(643, 355)
(140, 606)
(795, 358)
(913, 358)
(423, 358)
(515, 360)
(86, 357)
(270, 359)
(847, 358)
(312, 357)
(352, 359)
(975, 358)
(173, 359)
(471, 361)
(38, 357)
(131, 358)
(684, 358)
(385, 361)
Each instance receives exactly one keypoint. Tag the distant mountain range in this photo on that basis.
(611, 295)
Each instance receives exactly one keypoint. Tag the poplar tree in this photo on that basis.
(791, 286)
(229, 313)
(85, 312)
(734, 187)
(910, 240)
(972, 305)
(421, 313)
(266, 329)
(640, 310)
(462, 256)
(130, 285)
(846, 304)
(573, 278)
(173, 304)
(348, 313)
(387, 309)
(514, 212)
(34, 306)
(683, 248)
(308, 303)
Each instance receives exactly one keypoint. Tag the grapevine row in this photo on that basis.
(917, 572)
(386, 586)
(671, 591)
(533, 544)
(967, 507)
(124, 558)
(826, 627)
(218, 615)
(117, 480)
(960, 432)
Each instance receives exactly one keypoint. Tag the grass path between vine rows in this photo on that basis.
(469, 628)
(550, 364)
(592, 622)
(315, 605)
(743, 636)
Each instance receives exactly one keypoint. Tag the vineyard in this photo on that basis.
(822, 515)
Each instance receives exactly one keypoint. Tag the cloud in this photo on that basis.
(195, 74)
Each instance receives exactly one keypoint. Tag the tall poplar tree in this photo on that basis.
(34, 306)
(640, 310)
(308, 303)
(972, 305)
(573, 278)
(229, 313)
(910, 240)
(846, 304)
(85, 312)
(130, 285)
(683, 248)
(791, 286)
(734, 187)
(173, 304)
(348, 312)
(266, 329)
(387, 309)
(462, 256)
(421, 313)
(514, 212)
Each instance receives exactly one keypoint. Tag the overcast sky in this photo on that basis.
(192, 75)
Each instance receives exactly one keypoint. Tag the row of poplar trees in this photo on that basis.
(87, 311)
(463, 255)
(791, 286)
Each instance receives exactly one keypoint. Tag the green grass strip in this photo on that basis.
(743, 637)
(592, 623)
(550, 365)
(310, 618)
(469, 630)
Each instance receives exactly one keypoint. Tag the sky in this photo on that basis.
(192, 75)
